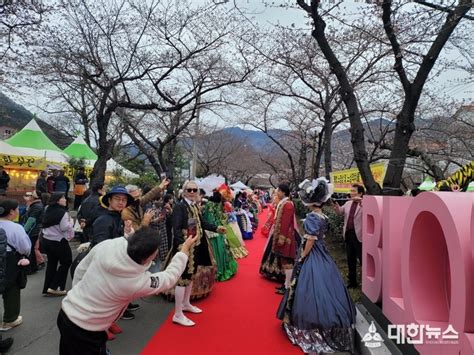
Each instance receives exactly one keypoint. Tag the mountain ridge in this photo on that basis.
(16, 116)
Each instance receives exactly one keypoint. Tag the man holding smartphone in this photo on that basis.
(187, 222)
(112, 275)
(135, 212)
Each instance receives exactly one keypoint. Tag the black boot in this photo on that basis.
(5, 344)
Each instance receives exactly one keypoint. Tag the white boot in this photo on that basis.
(288, 273)
(187, 307)
(179, 317)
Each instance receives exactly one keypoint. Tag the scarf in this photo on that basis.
(53, 215)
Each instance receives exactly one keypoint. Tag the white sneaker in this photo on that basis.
(10, 325)
(183, 320)
(192, 309)
(52, 292)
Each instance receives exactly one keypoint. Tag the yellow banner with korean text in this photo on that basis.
(344, 179)
(70, 172)
(22, 161)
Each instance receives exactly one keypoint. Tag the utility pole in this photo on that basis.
(196, 135)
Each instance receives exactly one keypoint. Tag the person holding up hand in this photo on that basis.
(135, 211)
(352, 231)
(106, 281)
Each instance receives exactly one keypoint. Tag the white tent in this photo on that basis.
(239, 185)
(48, 155)
(112, 165)
(211, 182)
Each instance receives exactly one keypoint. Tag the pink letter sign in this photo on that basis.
(427, 271)
(372, 247)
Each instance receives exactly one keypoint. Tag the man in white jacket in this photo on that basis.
(113, 274)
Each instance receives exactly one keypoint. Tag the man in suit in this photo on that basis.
(352, 231)
(187, 221)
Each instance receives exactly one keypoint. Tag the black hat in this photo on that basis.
(315, 192)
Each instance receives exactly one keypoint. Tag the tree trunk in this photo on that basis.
(104, 150)
(406, 117)
(403, 132)
(104, 153)
(171, 158)
(302, 160)
(327, 146)
(350, 101)
(318, 156)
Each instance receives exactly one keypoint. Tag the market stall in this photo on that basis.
(80, 150)
(26, 153)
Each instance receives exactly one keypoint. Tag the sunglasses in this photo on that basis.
(192, 190)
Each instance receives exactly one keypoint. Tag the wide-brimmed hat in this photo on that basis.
(117, 190)
(315, 192)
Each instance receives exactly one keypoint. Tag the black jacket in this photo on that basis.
(36, 211)
(41, 186)
(4, 180)
(108, 225)
(90, 209)
(81, 179)
(61, 184)
(180, 223)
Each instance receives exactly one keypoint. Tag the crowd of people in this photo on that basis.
(209, 230)
(138, 242)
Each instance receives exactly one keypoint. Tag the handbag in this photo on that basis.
(22, 277)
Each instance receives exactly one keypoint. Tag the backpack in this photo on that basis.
(3, 259)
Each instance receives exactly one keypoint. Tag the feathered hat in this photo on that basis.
(225, 192)
(315, 192)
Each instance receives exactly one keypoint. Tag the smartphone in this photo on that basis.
(192, 226)
(163, 175)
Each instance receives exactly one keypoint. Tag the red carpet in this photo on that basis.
(238, 316)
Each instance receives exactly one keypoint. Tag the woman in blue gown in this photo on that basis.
(317, 311)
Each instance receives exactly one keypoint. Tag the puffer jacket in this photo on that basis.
(108, 225)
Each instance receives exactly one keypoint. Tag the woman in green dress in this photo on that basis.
(213, 213)
(234, 236)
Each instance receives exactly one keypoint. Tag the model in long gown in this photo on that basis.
(274, 262)
(234, 237)
(226, 264)
(317, 311)
(243, 219)
(233, 234)
(270, 217)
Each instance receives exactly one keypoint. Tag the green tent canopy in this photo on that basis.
(31, 136)
(79, 149)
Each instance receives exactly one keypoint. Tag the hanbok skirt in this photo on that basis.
(236, 244)
(226, 264)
